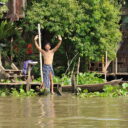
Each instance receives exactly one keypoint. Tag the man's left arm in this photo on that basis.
(58, 45)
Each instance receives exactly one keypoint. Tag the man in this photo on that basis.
(48, 55)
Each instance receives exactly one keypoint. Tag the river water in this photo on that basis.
(65, 111)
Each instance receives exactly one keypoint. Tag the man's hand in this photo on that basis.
(36, 37)
(59, 38)
(37, 45)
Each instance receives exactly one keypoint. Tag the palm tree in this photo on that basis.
(7, 29)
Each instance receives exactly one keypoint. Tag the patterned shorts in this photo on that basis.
(47, 69)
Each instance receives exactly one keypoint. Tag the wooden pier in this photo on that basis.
(114, 74)
(67, 88)
(20, 83)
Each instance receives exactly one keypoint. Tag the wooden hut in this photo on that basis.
(120, 65)
(16, 9)
(117, 67)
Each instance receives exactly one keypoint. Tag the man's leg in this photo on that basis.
(42, 85)
(51, 83)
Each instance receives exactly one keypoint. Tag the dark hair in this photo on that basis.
(47, 44)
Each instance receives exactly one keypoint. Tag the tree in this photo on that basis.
(102, 28)
(56, 17)
(90, 26)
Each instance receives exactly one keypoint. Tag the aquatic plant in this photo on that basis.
(4, 92)
(44, 91)
(82, 78)
(17, 92)
(64, 80)
(108, 91)
(22, 92)
(89, 78)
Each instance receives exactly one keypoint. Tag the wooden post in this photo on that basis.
(40, 55)
(103, 64)
(0, 58)
(29, 79)
(11, 49)
(78, 68)
(73, 82)
(28, 87)
(113, 67)
(116, 66)
(106, 61)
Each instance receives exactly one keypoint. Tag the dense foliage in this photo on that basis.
(7, 30)
(89, 26)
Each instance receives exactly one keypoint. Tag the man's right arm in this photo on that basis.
(37, 45)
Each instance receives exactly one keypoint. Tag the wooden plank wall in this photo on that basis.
(123, 57)
(16, 9)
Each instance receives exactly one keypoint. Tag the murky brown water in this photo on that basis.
(63, 112)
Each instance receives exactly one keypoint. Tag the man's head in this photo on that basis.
(47, 46)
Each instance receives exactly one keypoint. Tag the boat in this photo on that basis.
(91, 87)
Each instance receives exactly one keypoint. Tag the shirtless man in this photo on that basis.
(48, 55)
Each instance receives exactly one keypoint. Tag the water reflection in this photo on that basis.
(63, 112)
(47, 112)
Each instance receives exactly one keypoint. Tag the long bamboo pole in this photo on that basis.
(14, 7)
(40, 55)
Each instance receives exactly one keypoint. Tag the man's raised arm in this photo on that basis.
(37, 45)
(58, 45)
